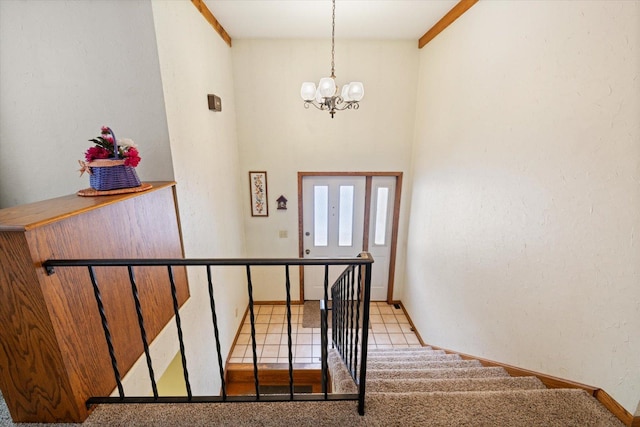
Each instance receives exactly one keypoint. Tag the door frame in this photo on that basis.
(367, 216)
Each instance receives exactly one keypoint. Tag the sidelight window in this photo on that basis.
(382, 201)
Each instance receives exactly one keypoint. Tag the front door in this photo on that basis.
(333, 225)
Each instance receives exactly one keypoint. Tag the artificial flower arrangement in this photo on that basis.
(111, 162)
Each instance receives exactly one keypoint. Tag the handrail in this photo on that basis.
(50, 265)
(351, 264)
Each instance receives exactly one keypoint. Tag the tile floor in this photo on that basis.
(390, 328)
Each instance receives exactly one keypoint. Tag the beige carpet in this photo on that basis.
(519, 408)
(512, 408)
(451, 396)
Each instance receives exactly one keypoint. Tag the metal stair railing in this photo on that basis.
(347, 338)
(350, 300)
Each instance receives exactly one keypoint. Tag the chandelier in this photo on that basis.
(326, 96)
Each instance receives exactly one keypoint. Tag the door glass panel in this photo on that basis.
(345, 223)
(381, 216)
(320, 215)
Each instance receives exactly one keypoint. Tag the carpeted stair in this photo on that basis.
(436, 388)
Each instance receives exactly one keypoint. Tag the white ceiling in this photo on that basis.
(355, 19)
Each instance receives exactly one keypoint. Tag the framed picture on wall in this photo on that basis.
(258, 191)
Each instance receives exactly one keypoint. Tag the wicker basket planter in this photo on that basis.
(111, 167)
(107, 174)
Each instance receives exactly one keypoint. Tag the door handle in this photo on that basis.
(307, 252)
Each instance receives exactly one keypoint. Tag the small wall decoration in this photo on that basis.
(282, 202)
(258, 190)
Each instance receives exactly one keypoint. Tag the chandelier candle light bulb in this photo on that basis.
(327, 87)
(308, 91)
(327, 96)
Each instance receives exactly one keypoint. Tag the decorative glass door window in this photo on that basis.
(321, 215)
(345, 224)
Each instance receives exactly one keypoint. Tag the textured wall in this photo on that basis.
(66, 69)
(194, 62)
(523, 239)
(277, 134)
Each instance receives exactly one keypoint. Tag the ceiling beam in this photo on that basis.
(204, 10)
(446, 20)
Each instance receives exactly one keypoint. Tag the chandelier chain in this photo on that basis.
(328, 96)
(333, 43)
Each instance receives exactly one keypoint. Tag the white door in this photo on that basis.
(333, 225)
(380, 230)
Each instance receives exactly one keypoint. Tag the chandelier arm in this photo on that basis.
(347, 106)
(322, 107)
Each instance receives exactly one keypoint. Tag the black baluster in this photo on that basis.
(289, 342)
(107, 333)
(338, 317)
(214, 317)
(359, 302)
(176, 310)
(350, 280)
(253, 333)
(365, 338)
(334, 298)
(323, 335)
(341, 319)
(143, 332)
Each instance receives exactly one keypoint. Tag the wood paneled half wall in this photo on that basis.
(53, 352)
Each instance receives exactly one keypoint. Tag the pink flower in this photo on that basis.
(131, 157)
(96, 153)
(104, 148)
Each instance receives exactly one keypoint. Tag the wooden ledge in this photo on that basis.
(33, 215)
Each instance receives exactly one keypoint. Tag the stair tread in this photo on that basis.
(474, 372)
(516, 394)
(453, 384)
(413, 357)
(417, 352)
(423, 364)
(375, 353)
(402, 350)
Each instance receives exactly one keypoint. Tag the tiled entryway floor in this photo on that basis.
(390, 328)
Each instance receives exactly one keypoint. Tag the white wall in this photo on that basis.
(66, 69)
(194, 62)
(277, 134)
(523, 240)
